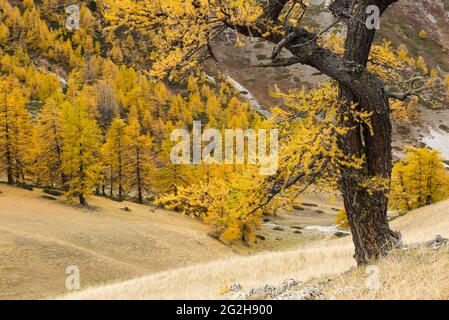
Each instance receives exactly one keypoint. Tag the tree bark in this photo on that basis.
(367, 212)
(82, 200)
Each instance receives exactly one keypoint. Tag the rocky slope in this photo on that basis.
(401, 25)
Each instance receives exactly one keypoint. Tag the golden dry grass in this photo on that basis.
(419, 274)
(207, 281)
(40, 238)
(326, 258)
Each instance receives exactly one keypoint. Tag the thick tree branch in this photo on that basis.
(303, 46)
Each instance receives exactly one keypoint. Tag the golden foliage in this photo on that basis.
(81, 155)
(190, 22)
(420, 179)
(423, 34)
(224, 198)
(342, 219)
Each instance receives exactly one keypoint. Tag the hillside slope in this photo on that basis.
(326, 258)
(40, 238)
(401, 24)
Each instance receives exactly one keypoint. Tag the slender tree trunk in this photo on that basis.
(82, 200)
(59, 154)
(430, 177)
(9, 171)
(367, 211)
(8, 155)
(111, 192)
(139, 178)
(81, 196)
(120, 174)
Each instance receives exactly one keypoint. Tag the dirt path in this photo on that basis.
(40, 238)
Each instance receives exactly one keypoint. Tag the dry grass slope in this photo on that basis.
(39, 238)
(414, 274)
(328, 258)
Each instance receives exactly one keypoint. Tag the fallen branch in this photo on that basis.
(436, 243)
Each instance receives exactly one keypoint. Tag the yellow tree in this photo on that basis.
(219, 198)
(114, 156)
(48, 142)
(15, 130)
(446, 82)
(420, 179)
(81, 155)
(170, 175)
(181, 30)
(139, 164)
(212, 110)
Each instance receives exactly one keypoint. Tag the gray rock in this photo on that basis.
(306, 294)
(239, 295)
(264, 292)
(289, 283)
(271, 290)
(235, 287)
(341, 234)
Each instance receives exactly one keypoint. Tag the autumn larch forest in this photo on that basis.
(309, 128)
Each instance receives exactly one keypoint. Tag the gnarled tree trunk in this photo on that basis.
(367, 212)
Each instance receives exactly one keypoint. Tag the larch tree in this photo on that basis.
(81, 155)
(114, 157)
(171, 175)
(139, 164)
(182, 31)
(105, 104)
(419, 180)
(49, 143)
(15, 130)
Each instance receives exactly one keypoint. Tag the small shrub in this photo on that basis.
(49, 198)
(25, 186)
(342, 219)
(53, 192)
(423, 34)
(309, 204)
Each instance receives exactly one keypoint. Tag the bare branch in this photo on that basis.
(320, 33)
(289, 38)
(405, 95)
(274, 9)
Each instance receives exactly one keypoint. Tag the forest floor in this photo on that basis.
(40, 237)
